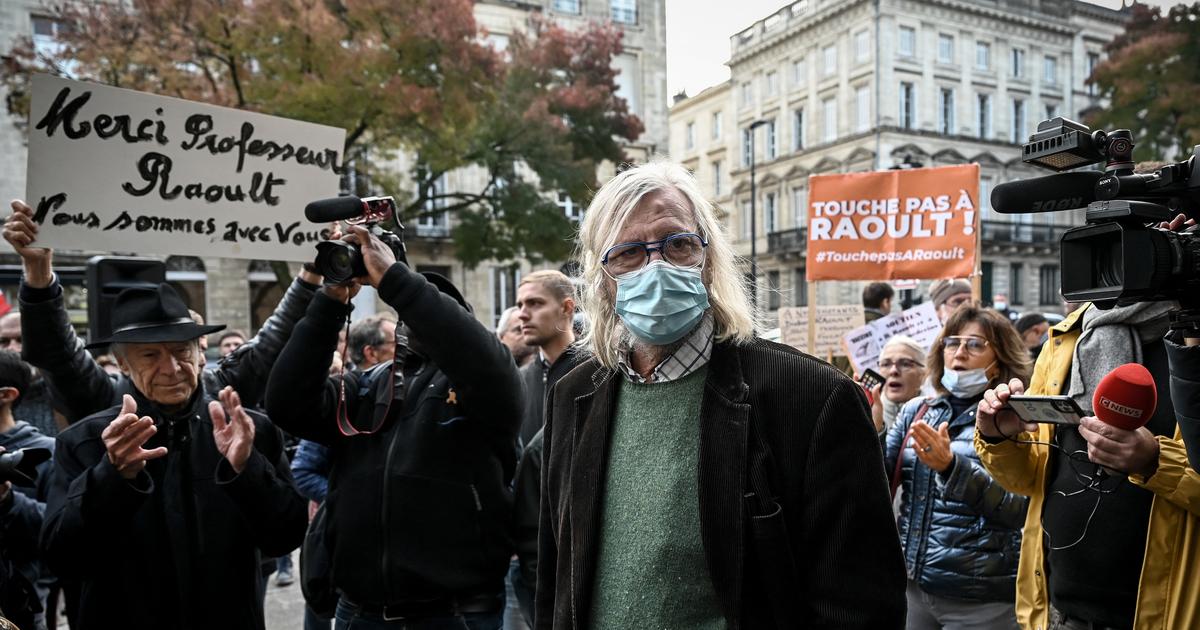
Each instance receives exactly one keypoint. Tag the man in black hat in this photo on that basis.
(159, 507)
(80, 384)
(417, 514)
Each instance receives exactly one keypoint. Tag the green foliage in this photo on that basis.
(1152, 81)
(414, 77)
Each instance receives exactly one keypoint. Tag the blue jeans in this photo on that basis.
(350, 617)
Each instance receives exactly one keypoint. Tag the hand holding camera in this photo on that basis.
(377, 257)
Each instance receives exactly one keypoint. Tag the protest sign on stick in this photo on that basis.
(864, 343)
(832, 322)
(123, 171)
(912, 224)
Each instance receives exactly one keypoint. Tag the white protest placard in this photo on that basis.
(865, 342)
(832, 323)
(123, 171)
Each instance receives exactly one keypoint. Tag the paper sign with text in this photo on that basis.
(912, 224)
(123, 171)
(864, 343)
(832, 323)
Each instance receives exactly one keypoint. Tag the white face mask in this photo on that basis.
(1000, 306)
(965, 383)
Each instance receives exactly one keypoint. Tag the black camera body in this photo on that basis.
(1120, 257)
(339, 261)
(20, 466)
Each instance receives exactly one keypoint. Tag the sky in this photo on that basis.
(698, 33)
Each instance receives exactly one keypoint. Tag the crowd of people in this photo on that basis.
(622, 451)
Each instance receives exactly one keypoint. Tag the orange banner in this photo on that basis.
(888, 225)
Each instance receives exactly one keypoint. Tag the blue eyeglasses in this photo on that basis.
(685, 250)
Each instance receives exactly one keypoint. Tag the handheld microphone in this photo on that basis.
(1126, 397)
(1051, 193)
(334, 209)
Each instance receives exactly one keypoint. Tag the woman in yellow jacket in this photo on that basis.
(1168, 595)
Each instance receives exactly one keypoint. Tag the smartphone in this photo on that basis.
(1046, 409)
(871, 378)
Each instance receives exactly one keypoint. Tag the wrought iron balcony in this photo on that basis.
(1006, 232)
(793, 241)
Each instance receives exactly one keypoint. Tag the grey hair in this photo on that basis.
(367, 331)
(505, 317)
(906, 342)
(734, 317)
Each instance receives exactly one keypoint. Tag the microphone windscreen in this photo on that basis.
(334, 209)
(1064, 191)
(1126, 397)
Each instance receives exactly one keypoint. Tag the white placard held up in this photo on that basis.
(124, 171)
(832, 323)
(865, 342)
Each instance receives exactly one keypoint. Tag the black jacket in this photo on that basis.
(21, 515)
(538, 379)
(178, 546)
(823, 548)
(1185, 391)
(50, 344)
(420, 509)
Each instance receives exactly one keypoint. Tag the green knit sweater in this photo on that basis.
(651, 571)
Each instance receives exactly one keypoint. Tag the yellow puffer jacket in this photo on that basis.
(1169, 590)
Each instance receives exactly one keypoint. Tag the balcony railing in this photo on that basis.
(1017, 233)
(791, 241)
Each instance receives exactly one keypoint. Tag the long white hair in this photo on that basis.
(734, 317)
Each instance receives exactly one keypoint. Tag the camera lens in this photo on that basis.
(338, 261)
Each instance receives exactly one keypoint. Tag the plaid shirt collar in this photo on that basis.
(691, 356)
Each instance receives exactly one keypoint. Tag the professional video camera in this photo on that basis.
(1120, 257)
(339, 261)
(20, 466)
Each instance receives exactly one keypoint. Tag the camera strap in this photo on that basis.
(345, 426)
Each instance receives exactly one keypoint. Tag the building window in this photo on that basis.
(1050, 70)
(746, 210)
(946, 111)
(691, 135)
(628, 80)
(908, 41)
(1018, 63)
(829, 55)
(1016, 284)
(747, 94)
(747, 146)
(1051, 110)
(862, 46)
(567, 6)
(985, 201)
(773, 290)
(571, 210)
(770, 224)
(829, 119)
(862, 108)
(984, 107)
(799, 72)
(624, 11)
(771, 83)
(772, 146)
(945, 48)
(799, 287)
(716, 175)
(718, 120)
(1049, 291)
(983, 55)
(431, 222)
(504, 290)
(1093, 60)
(799, 207)
(908, 105)
(1018, 121)
(798, 130)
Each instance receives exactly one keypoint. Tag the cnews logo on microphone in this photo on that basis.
(1119, 408)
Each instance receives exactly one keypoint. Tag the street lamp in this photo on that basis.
(753, 219)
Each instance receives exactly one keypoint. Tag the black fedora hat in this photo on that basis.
(444, 285)
(152, 315)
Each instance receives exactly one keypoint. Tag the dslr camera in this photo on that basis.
(1120, 256)
(339, 261)
(20, 466)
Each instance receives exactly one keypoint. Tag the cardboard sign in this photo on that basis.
(832, 323)
(124, 171)
(891, 225)
(863, 344)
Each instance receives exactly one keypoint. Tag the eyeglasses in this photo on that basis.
(685, 251)
(975, 345)
(900, 364)
(8, 341)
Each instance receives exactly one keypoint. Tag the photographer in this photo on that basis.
(1116, 556)
(83, 387)
(418, 512)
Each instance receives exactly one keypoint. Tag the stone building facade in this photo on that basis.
(858, 85)
(241, 293)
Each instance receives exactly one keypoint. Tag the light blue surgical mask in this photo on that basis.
(661, 303)
(965, 383)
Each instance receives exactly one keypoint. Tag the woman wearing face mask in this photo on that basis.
(902, 365)
(961, 532)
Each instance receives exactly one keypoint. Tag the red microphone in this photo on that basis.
(1126, 397)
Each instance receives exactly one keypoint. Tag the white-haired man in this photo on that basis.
(698, 477)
